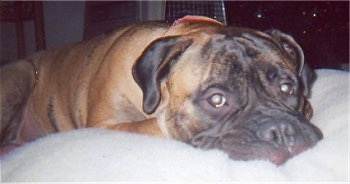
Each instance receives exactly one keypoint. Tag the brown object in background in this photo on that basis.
(19, 12)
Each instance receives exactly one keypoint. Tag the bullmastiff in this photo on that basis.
(213, 86)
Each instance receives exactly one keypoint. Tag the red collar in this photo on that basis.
(196, 18)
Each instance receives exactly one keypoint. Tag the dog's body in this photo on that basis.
(185, 82)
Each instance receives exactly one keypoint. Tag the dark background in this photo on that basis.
(320, 27)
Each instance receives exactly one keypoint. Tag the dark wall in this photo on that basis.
(320, 27)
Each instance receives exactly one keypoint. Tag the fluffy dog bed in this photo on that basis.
(102, 155)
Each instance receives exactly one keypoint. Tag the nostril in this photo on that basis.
(288, 129)
(280, 133)
(268, 132)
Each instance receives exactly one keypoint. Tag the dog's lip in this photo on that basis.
(252, 148)
(277, 156)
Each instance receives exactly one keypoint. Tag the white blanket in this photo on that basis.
(102, 155)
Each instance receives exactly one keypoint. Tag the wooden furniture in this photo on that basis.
(20, 11)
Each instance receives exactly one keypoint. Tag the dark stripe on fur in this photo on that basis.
(51, 114)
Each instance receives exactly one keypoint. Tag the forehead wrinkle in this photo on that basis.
(273, 58)
(271, 50)
(227, 66)
(230, 74)
(261, 40)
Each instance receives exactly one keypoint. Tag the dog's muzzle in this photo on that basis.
(261, 138)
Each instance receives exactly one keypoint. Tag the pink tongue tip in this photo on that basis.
(196, 18)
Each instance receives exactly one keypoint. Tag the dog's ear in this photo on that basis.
(154, 64)
(306, 74)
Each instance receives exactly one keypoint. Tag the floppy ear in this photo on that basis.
(306, 74)
(154, 64)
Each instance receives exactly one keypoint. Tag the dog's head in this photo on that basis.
(239, 90)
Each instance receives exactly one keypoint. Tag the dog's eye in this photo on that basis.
(217, 100)
(287, 88)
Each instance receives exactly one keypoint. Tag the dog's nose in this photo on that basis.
(278, 133)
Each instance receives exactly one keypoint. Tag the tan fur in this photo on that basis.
(90, 84)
